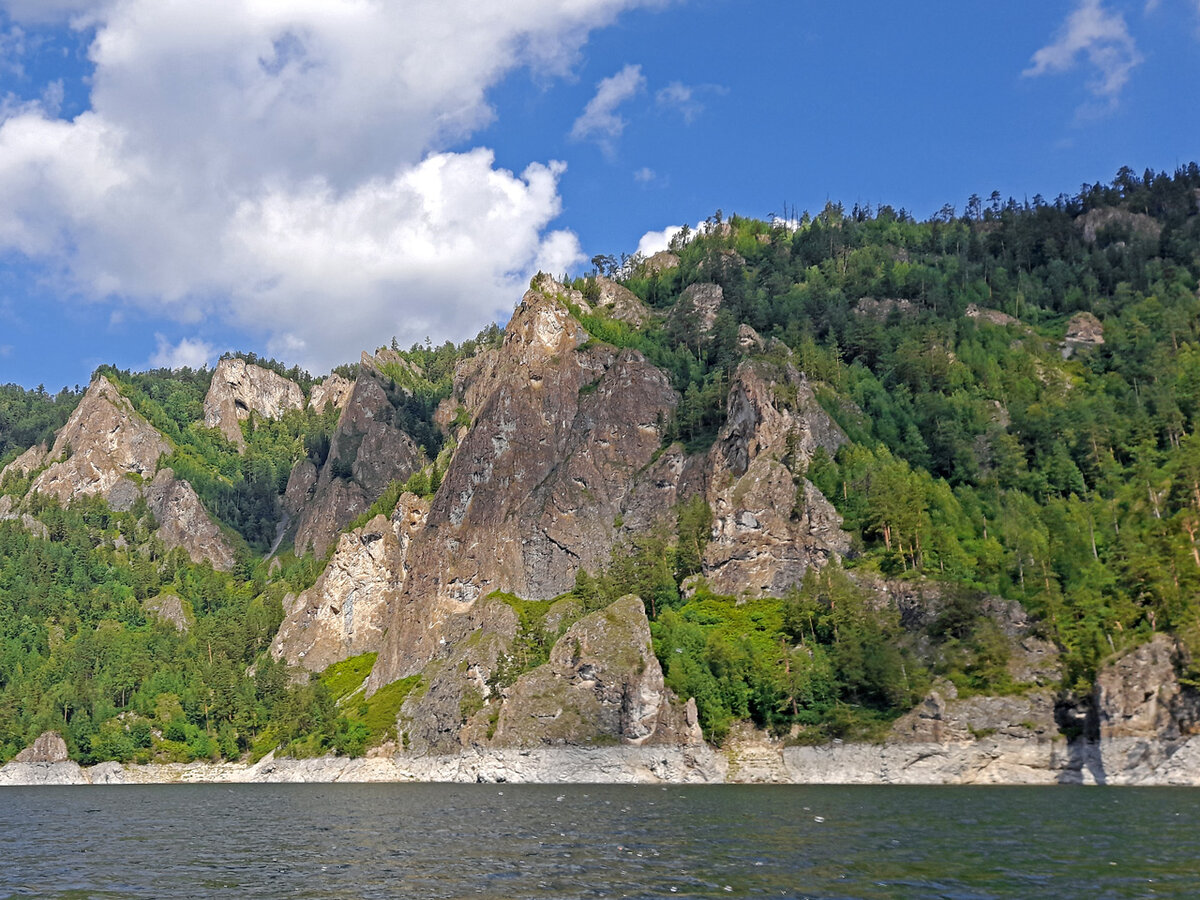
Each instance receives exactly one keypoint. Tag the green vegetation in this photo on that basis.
(986, 453)
(31, 417)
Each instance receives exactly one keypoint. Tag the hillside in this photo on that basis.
(868, 478)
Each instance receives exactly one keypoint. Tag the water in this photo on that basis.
(509, 841)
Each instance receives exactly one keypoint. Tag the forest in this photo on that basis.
(993, 451)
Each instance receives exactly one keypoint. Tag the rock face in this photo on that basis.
(697, 307)
(1143, 727)
(169, 608)
(662, 261)
(602, 684)
(184, 522)
(994, 316)
(333, 391)
(621, 303)
(367, 452)
(1094, 221)
(105, 448)
(881, 309)
(29, 461)
(537, 483)
(239, 388)
(1084, 329)
(48, 748)
(770, 524)
(345, 612)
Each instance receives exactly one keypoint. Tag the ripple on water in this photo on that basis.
(455, 841)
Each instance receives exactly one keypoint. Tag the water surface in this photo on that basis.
(510, 841)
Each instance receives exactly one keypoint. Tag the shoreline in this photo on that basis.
(993, 761)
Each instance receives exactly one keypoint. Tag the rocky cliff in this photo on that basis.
(106, 448)
(560, 431)
(601, 685)
(1140, 726)
(239, 388)
(367, 452)
(770, 522)
(345, 612)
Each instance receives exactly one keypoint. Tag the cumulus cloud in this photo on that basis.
(191, 353)
(284, 166)
(1103, 39)
(599, 120)
(654, 241)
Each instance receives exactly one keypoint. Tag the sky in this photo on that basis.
(306, 179)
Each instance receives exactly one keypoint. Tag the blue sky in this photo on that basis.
(308, 179)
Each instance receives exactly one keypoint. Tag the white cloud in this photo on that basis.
(1103, 38)
(654, 241)
(284, 166)
(188, 353)
(681, 97)
(644, 175)
(6, 349)
(599, 120)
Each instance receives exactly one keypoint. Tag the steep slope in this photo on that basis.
(534, 488)
(366, 453)
(771, 523)
(108, 449)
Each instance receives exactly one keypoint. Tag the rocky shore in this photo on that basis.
(991, 760)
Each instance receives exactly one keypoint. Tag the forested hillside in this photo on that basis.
(1019, 389)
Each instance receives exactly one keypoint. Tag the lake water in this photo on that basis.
(510, 841)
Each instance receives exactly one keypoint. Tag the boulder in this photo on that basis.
(48, 748)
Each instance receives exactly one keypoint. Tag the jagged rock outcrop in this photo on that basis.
(1085, 328)
(535, 487)
(880, 309)
(602, 684)
(345, 612)
(1100, 219)
(367, 452)
(770, 524)
(239, 388)
(662, 261)
(697, 307)
(29, 461)
(168, 607)
(993, 316)
(183, 521)
(333, 391)
(620, 303)
(105, 448)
